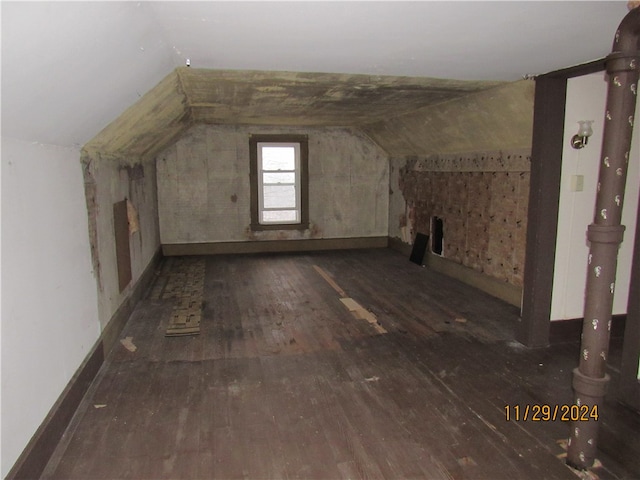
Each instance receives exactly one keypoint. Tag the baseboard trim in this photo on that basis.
(494, 287)
(399, 246)
(116, 323)
(566, 331)
(37, 453)
(270, 246)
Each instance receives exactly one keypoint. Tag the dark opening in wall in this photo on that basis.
(436, 235)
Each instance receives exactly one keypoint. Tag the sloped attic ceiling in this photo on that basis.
(190, 95)
(290, 98)
(70, 68)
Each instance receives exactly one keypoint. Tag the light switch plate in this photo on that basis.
(577, 183)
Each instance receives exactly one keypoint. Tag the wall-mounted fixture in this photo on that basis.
(580, 139)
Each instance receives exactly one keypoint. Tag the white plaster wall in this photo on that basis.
(204, 192)
(49, 305)
(115, 181)
(586, 99)
(70, 68)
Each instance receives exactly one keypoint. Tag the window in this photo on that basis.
(279, 182)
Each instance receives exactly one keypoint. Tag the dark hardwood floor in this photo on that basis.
(286, 381)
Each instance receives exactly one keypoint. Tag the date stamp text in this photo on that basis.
(551, 413)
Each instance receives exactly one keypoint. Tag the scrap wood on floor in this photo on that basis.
(357, 310)
(185, 285)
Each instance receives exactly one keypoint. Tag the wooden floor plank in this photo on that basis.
(285, 382)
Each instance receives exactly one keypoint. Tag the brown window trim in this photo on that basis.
(303, 140)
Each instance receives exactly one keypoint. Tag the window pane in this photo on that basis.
(289, 177)
(280, 216)
(278, 158)
(279, 197)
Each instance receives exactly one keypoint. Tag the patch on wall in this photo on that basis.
(132, 218)
(123, 254)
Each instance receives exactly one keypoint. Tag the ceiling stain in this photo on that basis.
(189, 96)
(496, 119)
(312, 99)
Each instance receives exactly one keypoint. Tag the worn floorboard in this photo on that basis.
(285, 382)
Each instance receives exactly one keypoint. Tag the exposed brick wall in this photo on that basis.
(484, 213)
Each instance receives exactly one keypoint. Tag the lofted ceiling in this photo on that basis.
(69, 69)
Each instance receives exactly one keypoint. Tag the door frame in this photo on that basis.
(546, 162)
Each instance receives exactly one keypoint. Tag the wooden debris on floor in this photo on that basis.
(185, 321)
(330, 281)
(362, 313)
(128, 344)
(354, 307)
(185, 285)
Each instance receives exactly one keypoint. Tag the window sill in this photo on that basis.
(283, 226)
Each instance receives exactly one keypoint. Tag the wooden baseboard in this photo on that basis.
(37, 453)
(399, 246)
(564, 331)
(494, 287)
(116, 323)
(269, 246)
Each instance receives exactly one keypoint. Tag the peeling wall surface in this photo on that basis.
(204, 192)
(108, 181)
(49, 302)
(466, 161)
(482, 199)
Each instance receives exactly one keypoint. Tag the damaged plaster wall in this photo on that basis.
(204, 192)
(482, 199)
(49, 302)
(467, 162)
(107, 181)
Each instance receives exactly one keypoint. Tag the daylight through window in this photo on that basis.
(279, 182)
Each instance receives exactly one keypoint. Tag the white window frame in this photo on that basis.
(296, 184)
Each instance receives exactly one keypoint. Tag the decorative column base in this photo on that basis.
(588, 397)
